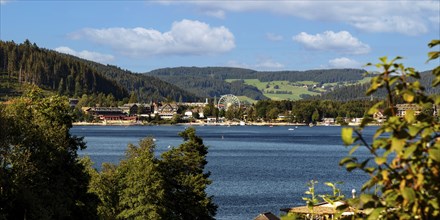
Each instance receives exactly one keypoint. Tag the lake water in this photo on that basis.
(254, 169)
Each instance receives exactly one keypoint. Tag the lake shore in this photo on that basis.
(131, 123)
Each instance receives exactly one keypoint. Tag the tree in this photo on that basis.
(141, 183)
(61, 89)
(40, 175)
(133, 98)
(405, 172)
(185, 179)
(315, 116)
(105, 186)
(273, 114)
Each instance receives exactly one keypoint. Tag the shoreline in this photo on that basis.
(131, 123)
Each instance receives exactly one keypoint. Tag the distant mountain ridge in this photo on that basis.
(210, 81)
(323, 75)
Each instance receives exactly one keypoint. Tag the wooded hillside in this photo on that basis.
(26, 63)
(51, 70)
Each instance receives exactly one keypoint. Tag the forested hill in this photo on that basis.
(358, 91)
(73, 76)
(27, 63)
(210, 81)
(222, 73)
(147, 88)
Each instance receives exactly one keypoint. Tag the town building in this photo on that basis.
(403, 108)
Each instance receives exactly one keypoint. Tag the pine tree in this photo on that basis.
(142, 184)
(185, 180)
(61, 87)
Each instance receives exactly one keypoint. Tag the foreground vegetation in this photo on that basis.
(404, 162)
(405, 155)
(42, 177)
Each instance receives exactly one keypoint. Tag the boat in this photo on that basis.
(290, 129)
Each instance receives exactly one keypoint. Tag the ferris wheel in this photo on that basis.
(227, 101)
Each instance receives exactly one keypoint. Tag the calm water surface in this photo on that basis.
(254, 169)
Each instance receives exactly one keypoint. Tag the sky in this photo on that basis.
(262, 35)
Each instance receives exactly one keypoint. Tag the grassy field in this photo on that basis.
(246, 99)
(270, 88)
(293, 90)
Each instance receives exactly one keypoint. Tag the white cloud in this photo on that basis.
(216, 13)
(236, 64)
(390, 24)
(186, 37)
(88, 55)
(268, 64)
(3, 2)
(274, 37)
(400, 16)
(342, 42)
(344, 62)
(262, 64)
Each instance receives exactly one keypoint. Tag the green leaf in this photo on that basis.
(433, 43)
(376, 213)
(347, 135)
(409, 194)
(409, 151)
(397, 144)
(351, 166)
(345, 160)
(380, 160)
(408, 97)
(434, 153)
(353, 149)
(375, 108)
(413, 130)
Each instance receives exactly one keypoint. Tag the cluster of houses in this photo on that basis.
(134, 111)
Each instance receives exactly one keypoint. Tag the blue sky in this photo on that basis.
(263, 35)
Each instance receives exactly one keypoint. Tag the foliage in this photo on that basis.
(144, 186)
(40, 175)
(185, 179)
(405, 163)
(141, 183)
(336, 196)
(311, 202)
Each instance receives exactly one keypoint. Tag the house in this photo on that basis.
(130, 108)
(108, 113)
(211, 120)
(188, 114)
(136, 108)
(328, 121)
(282, 117)
(379, 116)
(403, 108)
(322, 211)
(166, 111)
(73, 102)
(266, 216)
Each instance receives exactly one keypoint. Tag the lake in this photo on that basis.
(254, 169)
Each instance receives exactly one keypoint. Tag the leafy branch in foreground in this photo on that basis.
(405, 165)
